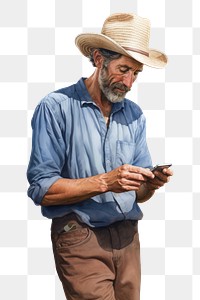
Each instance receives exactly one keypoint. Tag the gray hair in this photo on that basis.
(107, 54)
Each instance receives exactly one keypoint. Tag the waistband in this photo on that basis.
(59, 223)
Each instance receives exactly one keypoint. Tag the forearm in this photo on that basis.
(70, 191)
(144, 194)
(122, 179)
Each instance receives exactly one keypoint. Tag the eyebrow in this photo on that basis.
(130, 68)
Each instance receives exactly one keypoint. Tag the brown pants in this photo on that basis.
(97, 264)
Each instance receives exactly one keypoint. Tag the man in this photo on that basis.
(90, 164)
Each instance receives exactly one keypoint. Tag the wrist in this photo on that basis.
(144, 193)
(102, 182)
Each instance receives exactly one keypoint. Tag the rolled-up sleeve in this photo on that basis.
(48, 150)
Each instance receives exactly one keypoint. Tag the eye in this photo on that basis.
(124, 70)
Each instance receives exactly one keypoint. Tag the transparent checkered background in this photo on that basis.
(38, 55)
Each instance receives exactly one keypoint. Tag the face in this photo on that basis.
(116, 79)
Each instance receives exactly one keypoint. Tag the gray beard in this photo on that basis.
(110, 91)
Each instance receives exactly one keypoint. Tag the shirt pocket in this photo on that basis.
(124, 153)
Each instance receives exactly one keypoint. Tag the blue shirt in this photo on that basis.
(71, 140)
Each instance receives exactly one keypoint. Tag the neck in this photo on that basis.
(96, 94)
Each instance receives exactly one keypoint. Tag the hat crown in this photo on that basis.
(128, 30)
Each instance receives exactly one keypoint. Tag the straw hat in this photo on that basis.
(127, 34)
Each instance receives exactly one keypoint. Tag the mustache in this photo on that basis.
(121, 86)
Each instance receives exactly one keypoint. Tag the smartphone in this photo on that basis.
(160, 167)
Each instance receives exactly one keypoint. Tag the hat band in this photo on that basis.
(137, 50)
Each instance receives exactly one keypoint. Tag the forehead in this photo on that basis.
(127, 61)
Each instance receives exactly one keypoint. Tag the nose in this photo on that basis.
(128, 79)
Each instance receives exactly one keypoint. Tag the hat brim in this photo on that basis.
(88, 41)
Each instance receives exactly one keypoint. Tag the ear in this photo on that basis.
(98, 58)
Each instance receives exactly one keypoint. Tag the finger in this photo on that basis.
(136, 177)
(162, 177)
(127, 182)
(125, 185)
(143, 171)
(168, 172)
(158, 181)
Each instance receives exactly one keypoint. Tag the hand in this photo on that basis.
(127, 178)
(160, 179)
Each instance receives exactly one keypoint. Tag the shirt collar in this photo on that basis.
(85, 97)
